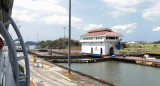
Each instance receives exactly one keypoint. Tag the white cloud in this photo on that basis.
(92, 26)
(122, 6)
(156, 29)
(30, 10)
(46, 11)
(152, 14)
(55, 19)
(24, 15)
(127, 28)
(42, 5)
(62, 20)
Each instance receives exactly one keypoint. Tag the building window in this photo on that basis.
(111, 37)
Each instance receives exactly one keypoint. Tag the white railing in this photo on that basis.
(100, 40)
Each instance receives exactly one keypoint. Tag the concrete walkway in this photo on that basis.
(6, 73)
(52, 75)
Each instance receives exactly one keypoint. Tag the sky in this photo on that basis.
(137, 20)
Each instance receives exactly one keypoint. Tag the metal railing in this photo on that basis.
(12, 51)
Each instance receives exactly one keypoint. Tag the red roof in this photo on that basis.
(99, 30)
(104, 31)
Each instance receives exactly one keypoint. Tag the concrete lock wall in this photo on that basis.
(98, 47)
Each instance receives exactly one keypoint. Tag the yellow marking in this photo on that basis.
(149, 63)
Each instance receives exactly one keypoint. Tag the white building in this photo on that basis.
(136, 42)
(101, 42)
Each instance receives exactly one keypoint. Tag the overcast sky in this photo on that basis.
(45, 19)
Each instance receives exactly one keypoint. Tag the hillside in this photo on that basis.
(30, 43)
(60, 43)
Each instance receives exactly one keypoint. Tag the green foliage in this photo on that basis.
(158, 42)
(21, 69)
(127, 45)
(57, 44)
(154, 46)
(123, 45)
(133, 48)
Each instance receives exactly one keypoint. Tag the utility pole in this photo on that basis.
(37, 43)
(64, 33)
(64, 40)
(69, 40)
(37, 37)
(27, 37)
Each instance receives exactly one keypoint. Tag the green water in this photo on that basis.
(121, 73)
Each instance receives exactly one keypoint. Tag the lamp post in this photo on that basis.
(69, 40)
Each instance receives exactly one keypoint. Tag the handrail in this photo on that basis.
(11, 47)
(13, 53)
(24, 50)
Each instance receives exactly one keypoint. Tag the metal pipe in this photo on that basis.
(69, 40)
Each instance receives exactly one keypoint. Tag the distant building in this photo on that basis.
(101, 42)
(131, 42)
(136, 42)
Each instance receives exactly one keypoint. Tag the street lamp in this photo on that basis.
(69, 40)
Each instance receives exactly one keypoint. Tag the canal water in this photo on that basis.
(121, 73)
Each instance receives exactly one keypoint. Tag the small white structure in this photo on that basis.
(136, 42)
(101, 42)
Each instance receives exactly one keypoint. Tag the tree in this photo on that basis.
(58, 44)
(123, 45)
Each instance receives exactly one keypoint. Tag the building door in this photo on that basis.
(101, 51)
(91, 50)
(111, 50)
